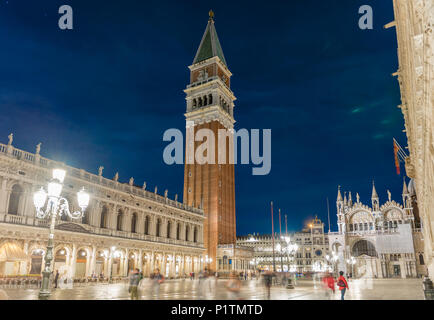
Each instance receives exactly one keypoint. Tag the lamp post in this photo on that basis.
(56, 205)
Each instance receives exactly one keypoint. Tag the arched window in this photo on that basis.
(119, 220)
(205, 100)
(351, 227)
(178, 231)
(14, 199)
(210, 98)
(169, 229)
(421, 260)
(103, 221)
(195, 234)
(194, 103)
(187, 233)
(390, 224)
(147, 225)
(364, 247)
(200, 102)
(158, 228)
(133, 222)
(395, 224)
(366, 226)
(355, 227)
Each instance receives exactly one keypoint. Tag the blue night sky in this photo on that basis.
(105, 92)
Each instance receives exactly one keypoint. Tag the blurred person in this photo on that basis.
(56, 278)
(134, 282)
(328, 285)
(342, 284)
(211, 284)
(233, 286)
(157, 280)
(268, 281)
(203, 275)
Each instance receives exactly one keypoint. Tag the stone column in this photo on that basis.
(182, 266)
(73, 260)
(125, 263)
(163, 264)
(140, 261)
(174, 262)
(92, 261)
(3, 196)
(88, 262)
(126, 223)
(151, 262)
(94, 214)
(109, 266)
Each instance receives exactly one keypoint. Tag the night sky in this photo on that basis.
(105, 92)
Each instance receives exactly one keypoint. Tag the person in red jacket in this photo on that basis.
(329, 285)
(342, 284)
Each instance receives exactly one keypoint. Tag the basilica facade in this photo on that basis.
(125, 226)
(378, 241)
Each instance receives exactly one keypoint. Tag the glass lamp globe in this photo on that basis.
(82, 198)
(59, 174)
(54, 189)
(39, 198)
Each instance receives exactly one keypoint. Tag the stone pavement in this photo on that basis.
(378, 289)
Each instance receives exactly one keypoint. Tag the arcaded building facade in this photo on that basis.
(310, 256)
(125, 226)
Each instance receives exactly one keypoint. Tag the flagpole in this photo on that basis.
(328, 212)
(286, 226)
(272, 234)
(280, 242)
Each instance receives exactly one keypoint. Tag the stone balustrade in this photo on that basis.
(45, 223)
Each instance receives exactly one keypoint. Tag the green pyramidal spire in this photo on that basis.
(209, 45)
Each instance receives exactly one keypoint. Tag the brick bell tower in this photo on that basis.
(210, 106)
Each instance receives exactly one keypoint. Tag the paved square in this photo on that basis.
(378, 289)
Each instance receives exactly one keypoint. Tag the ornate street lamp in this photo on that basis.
(56, 205)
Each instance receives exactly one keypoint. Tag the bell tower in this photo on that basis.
(210, 104)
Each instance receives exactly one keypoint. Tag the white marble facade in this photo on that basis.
(385, 241)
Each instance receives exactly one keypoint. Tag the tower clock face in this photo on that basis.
(318, 252)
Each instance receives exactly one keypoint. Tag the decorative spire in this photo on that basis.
(339, 194)
(209, 45)
(404, 187)
(374, 192)
(345, 198)
(350, 200)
